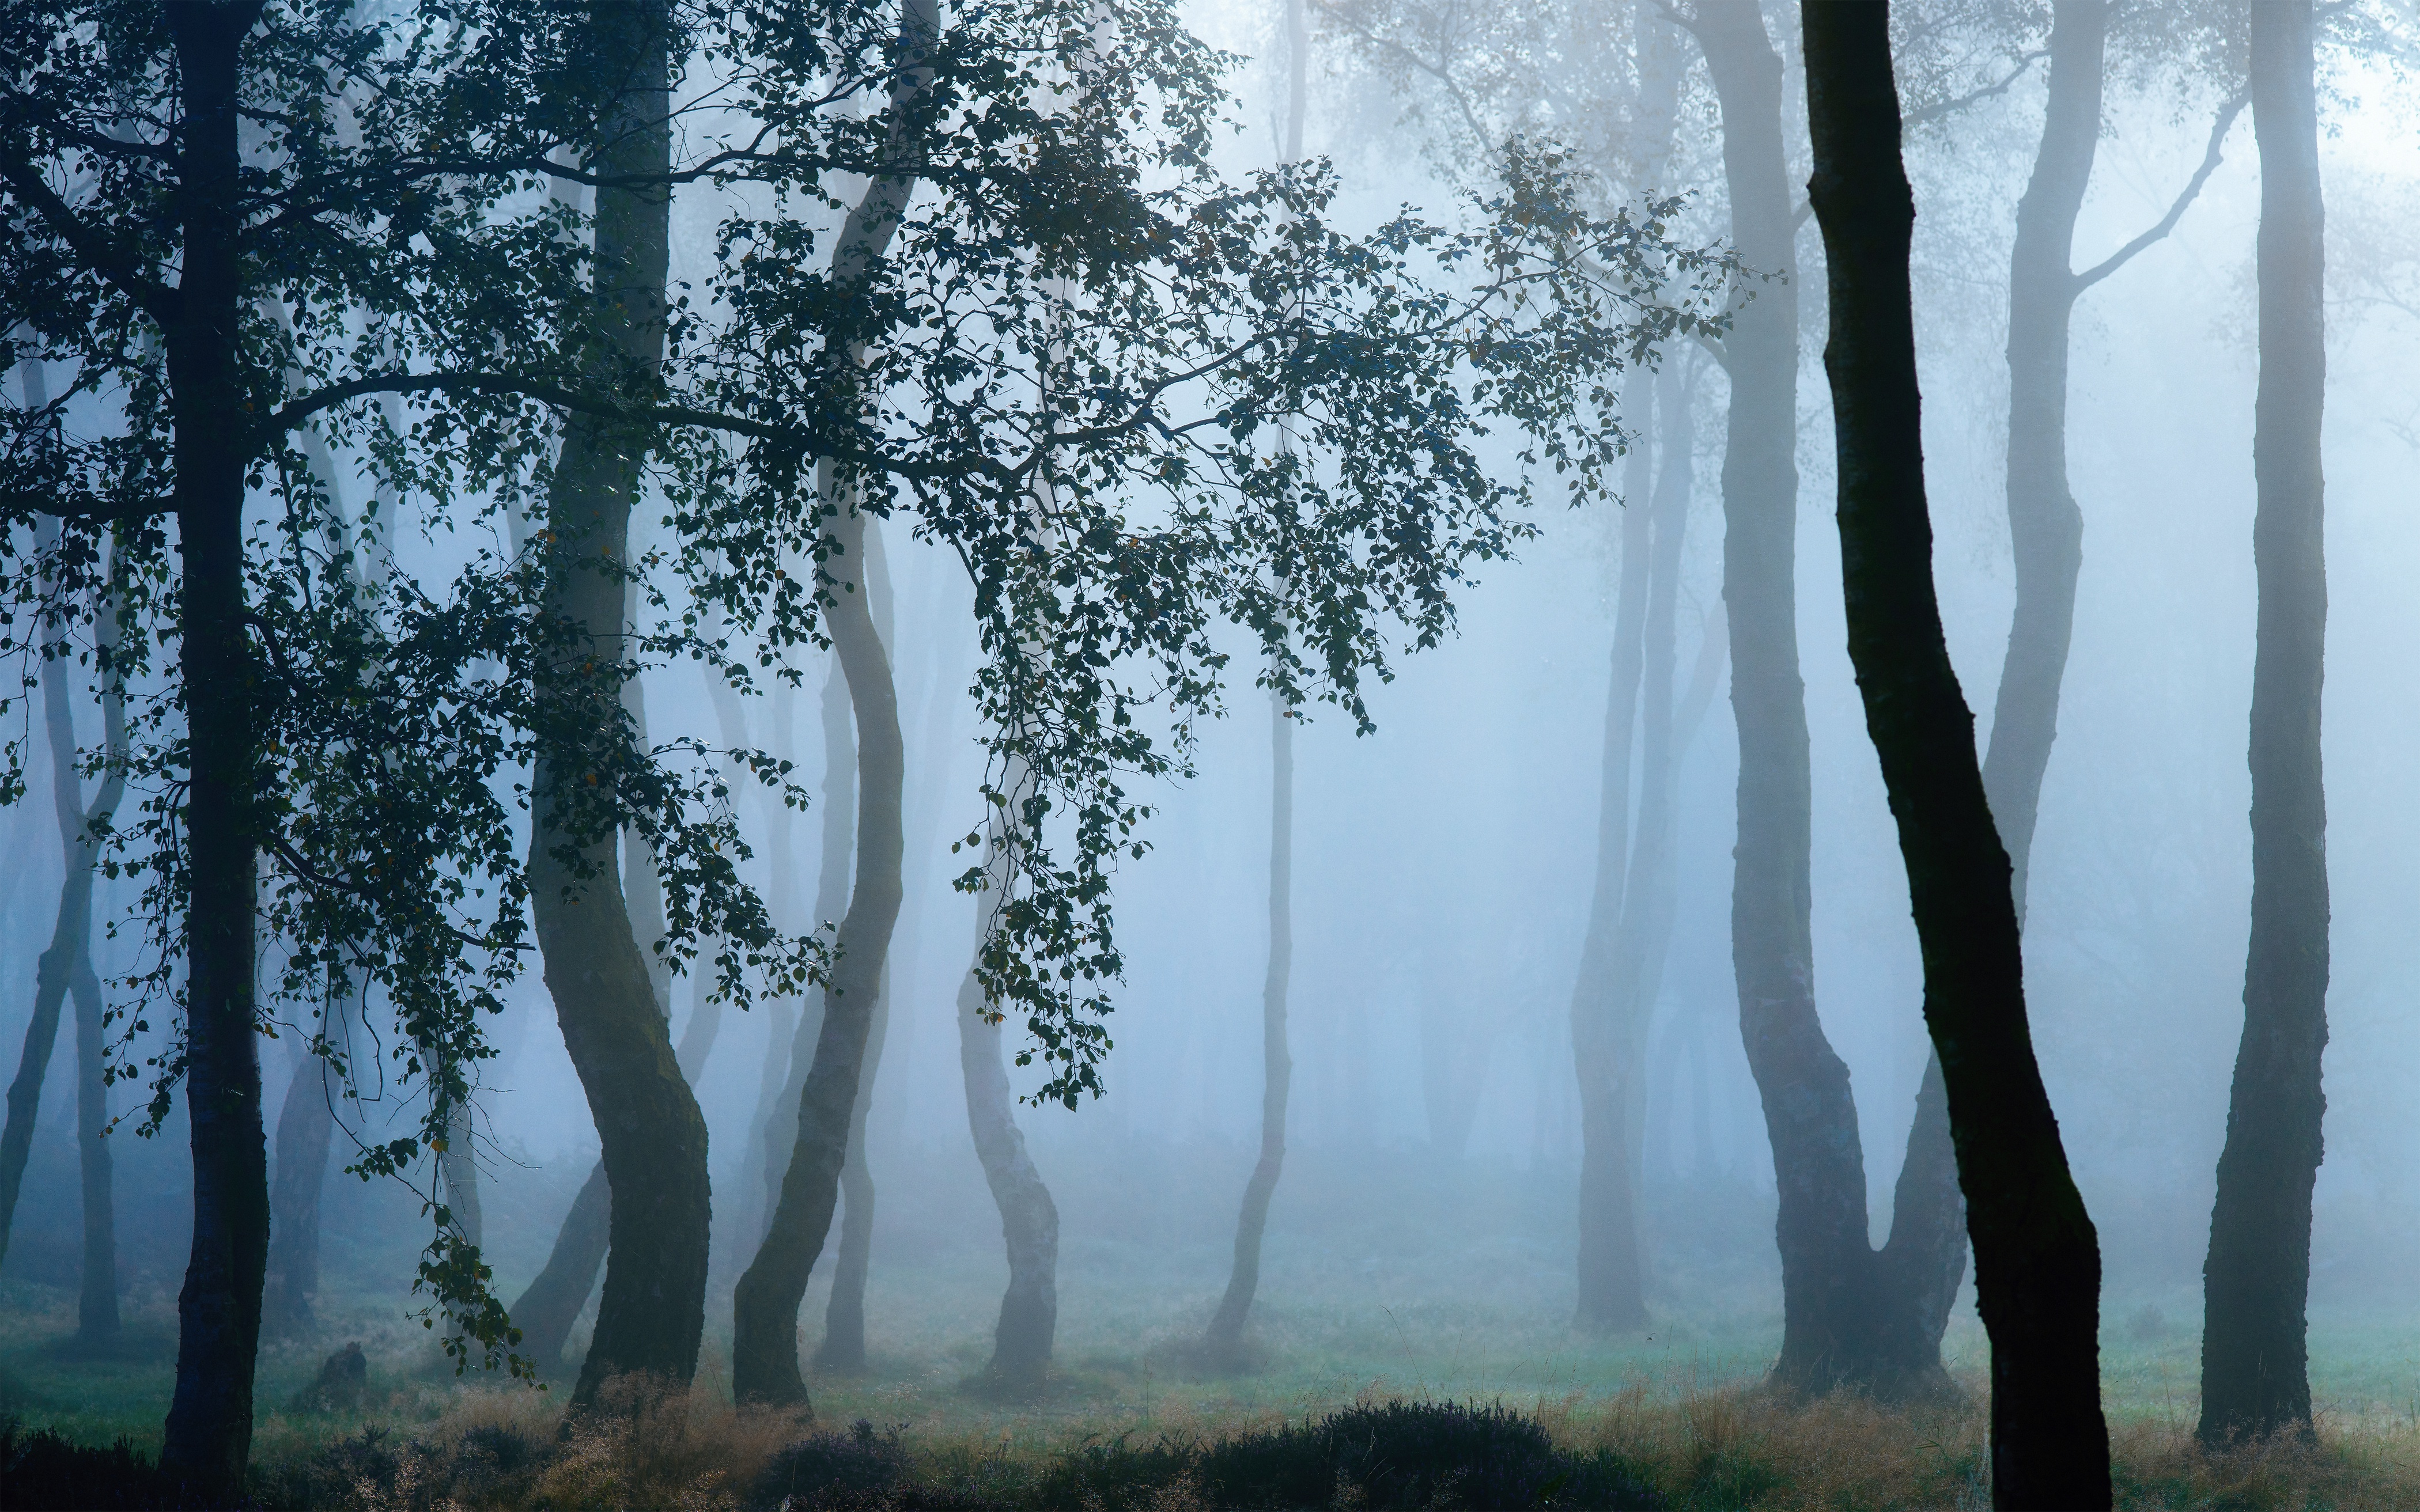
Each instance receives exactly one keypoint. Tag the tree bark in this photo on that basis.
(1029, 1220)
(844, 1347)
(1818, 1159)
(764, 1341)
(2254, 1371)
(1222, 1343)
(207, 1439)
(838, 846)
(652, 1311)
(546, 1311)
(306, 1127)
(2037, 1260)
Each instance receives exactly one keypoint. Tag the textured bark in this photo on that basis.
(1029, 1220)
(1222, 1342)
(651, 1312)
(765, 1342)
(207, 1438)
(2037, 1260)
(2255, 1368)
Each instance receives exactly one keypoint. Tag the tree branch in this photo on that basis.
(1950, 107)
(2209, 161)
(157, 299)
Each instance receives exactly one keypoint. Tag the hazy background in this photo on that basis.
(1442, 866)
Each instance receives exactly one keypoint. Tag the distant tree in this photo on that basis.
(65, 967)
(2037, 1260)
(2255, 1374)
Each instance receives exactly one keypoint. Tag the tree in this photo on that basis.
(65, 967)
(1222, 1341)
(298, 723)
(2255, 1370)
(2038, 1261)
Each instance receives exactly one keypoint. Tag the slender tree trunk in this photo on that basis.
(844, 1346)
(546, 1310)
(652, 1311)
(1818, 1159)
(2038, 1260)
(1612, 1280)
(1029, 1220)
(306, 1127)
(2255, 1365)
(760, 1179)
(97, 1300)
(765, 1342)
(209, 1432)
(831, 900)
(1222, 1343)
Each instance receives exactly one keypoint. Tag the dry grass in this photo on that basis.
(1745, 1447)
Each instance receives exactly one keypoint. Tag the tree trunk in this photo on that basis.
(843, 1350)
(831, 900)
(97, 1300)
(208, 1437)
(765, 1340)
(652, 1311)
(306, 1127)
(1818, 1159)
(2255, 1366)
(1029, 1220)
(1612, 1281)
(1222, 1343)
(546, 1310)
(2038, 1263)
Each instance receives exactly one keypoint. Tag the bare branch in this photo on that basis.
(1940, 108)
(2209, 161)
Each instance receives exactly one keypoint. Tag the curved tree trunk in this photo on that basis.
(546, 1311)
(2037, 1258)
(1029, 1220)
(651, 1313)
(208, 1437)
(96, 1298)
(765, 1342)
(844, 1346)
(2255, 1364)
(839, 847)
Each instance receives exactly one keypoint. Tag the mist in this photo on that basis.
(1147, 673)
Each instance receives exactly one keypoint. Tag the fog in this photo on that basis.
(1423, 1233)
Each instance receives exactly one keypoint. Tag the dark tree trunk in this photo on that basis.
(546, 1310)
(1029, 1220)
(765, 1340)
(1222, 1343)
(306, 1127)
(2255, 1365)
(652, 1310)
(2038, 1261)
(208, 1439)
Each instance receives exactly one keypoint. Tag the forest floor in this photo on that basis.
(1679, 1406)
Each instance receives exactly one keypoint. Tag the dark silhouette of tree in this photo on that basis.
(2255, 1366)
(2037, 1260)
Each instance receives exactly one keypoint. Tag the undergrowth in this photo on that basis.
(649, 1448)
